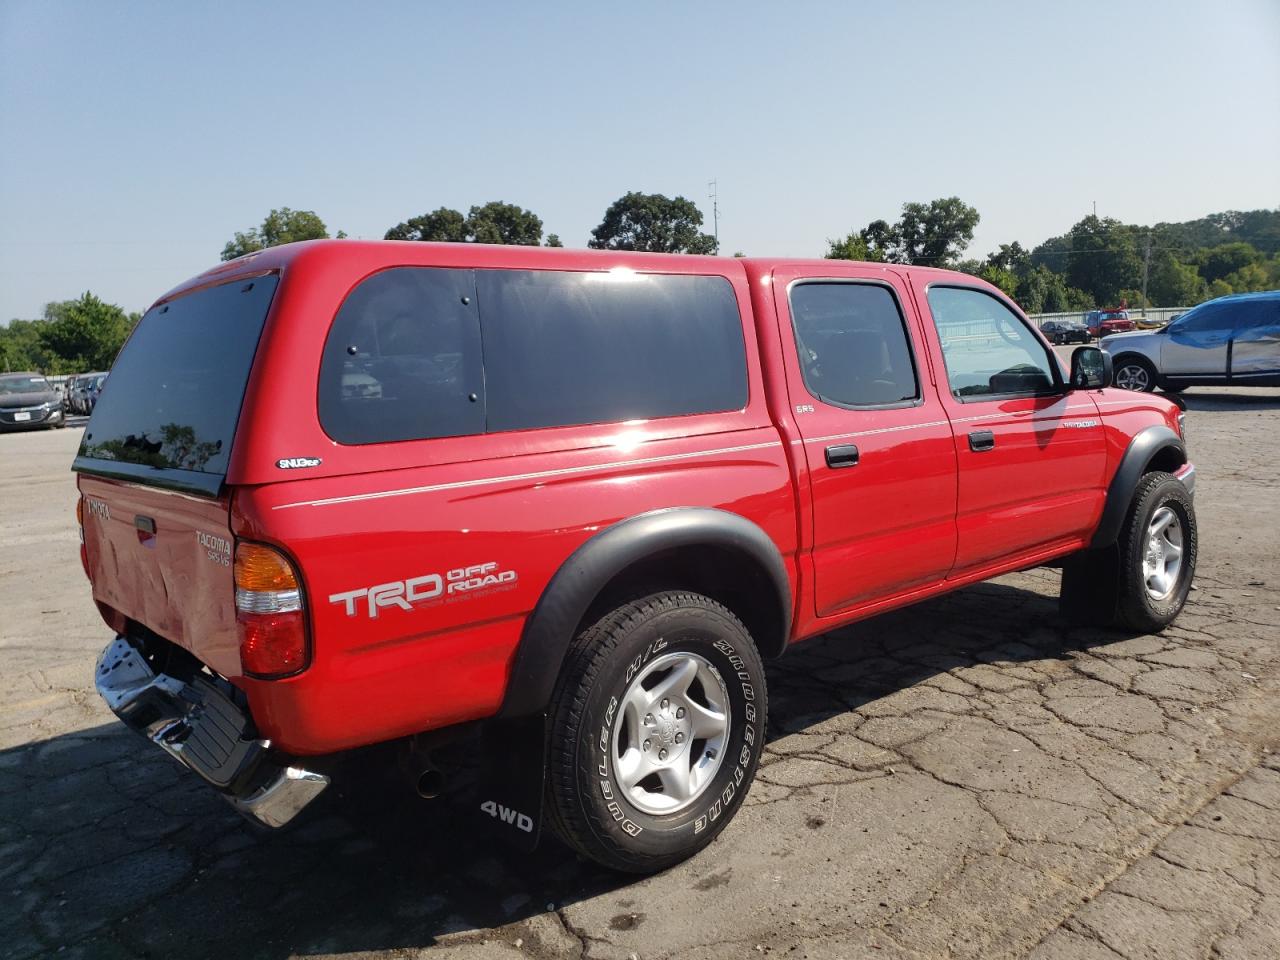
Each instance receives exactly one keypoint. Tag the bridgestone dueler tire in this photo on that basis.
(1137, 609)
(585, 804)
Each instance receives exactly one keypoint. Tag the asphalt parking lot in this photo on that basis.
(966, 778)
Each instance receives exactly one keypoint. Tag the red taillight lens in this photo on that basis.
(84, 553)
(269, 611)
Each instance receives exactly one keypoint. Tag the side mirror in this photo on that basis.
(1090, 368)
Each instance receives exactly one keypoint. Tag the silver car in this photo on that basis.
(1231, 341)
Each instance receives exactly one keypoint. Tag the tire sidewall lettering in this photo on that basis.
(746, 736)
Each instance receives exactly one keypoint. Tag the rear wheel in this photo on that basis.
(657, 723)
(1135, 373)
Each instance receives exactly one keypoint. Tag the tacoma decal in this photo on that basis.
(455, 584)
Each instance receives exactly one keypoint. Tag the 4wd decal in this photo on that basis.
(455, 584)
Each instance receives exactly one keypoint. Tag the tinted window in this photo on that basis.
(174, 394)
(988, 350)
(402, 361)
(1210, 316)
(852, 344)
(565, 348)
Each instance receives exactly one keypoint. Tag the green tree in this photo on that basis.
(83, 334)
(1215, 263)
(652, 222)
(1103, 259)
(442, 224)
(495, 222)
(1012, 257)
(280, 226)
(553, 240)
(21, 347)
(499, 222)
(936, 233)
(1000, 277)
(852, 247)
(1172, 283)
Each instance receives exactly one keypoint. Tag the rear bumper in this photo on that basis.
(201, 727)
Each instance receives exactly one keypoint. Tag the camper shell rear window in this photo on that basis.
(167, 414)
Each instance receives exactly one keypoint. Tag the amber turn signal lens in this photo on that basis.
(261, 568)
(80, 511)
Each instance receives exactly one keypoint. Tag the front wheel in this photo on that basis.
(1135, 373)
(657, 724)
(1158, 546)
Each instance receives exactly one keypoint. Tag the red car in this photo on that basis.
(1101, 323)
(340, 493)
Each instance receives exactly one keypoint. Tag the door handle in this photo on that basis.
(981, 441)
(842, 456)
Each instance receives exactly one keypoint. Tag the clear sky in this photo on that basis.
(135, 137)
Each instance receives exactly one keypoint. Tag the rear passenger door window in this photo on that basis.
(403, 359)
(852, 344)
(988, 350)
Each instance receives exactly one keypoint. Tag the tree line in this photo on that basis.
(1098, 262)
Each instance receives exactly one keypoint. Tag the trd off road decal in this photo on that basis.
(457, 584)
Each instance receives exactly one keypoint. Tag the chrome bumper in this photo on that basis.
(196, 723)
(1187, 474)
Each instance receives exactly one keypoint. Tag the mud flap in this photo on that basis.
(1091, 587)
(512, 774)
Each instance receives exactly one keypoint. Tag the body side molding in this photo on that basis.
(589, 569)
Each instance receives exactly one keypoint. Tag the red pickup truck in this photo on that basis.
(340, 493)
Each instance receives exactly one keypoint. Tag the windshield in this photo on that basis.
(173, 397)
(24, 385)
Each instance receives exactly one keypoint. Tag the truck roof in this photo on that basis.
(385, 253)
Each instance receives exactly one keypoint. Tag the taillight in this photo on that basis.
(84, 553)
(269, 611)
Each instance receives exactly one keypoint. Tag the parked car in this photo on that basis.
(83, 392)
(1065, 331)
(92, 389)
(1231, 341)
(1148, 323)
(28, 400)
(591, 494)
(1101, 323)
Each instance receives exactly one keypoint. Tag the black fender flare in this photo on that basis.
(550, 628)
(1142, 449)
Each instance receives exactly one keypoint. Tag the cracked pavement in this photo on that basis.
(964, 778)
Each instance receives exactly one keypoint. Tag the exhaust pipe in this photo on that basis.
(430, 783)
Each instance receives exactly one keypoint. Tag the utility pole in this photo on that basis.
(715, 212)
(1146, 269)
(1095, 208)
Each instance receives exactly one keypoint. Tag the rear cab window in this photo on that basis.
(167, 415)
(852, 342)
(423, 352)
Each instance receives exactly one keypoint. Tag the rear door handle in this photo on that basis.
(842, 456)
(982, 440)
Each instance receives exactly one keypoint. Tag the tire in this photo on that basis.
(1153, 583)
(600, 799)
(1134, 373)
